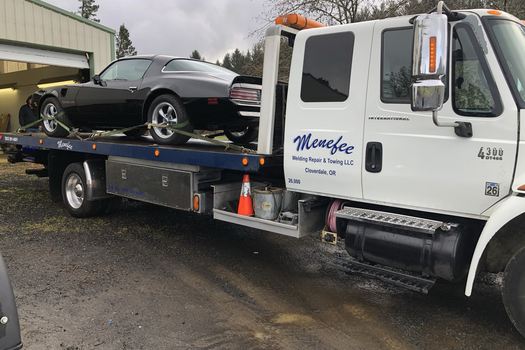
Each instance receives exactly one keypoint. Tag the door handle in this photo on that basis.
(132, 89)
(374, 157)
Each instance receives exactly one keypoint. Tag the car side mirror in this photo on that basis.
(98, 80)
(9, 327)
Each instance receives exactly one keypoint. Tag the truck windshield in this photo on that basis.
(508, 37)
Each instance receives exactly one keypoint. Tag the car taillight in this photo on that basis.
(245, 94)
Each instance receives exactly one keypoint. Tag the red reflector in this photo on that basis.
(213, 101)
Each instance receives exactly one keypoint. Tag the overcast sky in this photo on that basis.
(177, 27)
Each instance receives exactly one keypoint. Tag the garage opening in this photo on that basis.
(23, 70)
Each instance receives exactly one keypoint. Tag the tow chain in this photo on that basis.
(176, 128)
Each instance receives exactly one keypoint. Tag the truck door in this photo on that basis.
(420, 165)
(325, 108)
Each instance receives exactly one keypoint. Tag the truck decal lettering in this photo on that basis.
(306, 142)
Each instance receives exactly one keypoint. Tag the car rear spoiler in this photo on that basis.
(245, 79)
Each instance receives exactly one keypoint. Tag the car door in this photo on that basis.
(325, 108)
(428, 167)
(117, 101)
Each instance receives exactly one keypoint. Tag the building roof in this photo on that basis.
(71, 15)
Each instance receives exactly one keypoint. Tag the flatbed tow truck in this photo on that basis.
(358, 148)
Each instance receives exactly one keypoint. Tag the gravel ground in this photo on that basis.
(146, 277)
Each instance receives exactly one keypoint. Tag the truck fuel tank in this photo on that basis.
(429, 247)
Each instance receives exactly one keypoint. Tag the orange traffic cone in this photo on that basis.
(245, 199)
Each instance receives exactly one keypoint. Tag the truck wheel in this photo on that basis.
(168, 108)
(74, 194)
(514, 290)
(242, 136)
(51, 107)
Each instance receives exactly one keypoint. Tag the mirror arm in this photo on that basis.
(462, 129)
(442, 124)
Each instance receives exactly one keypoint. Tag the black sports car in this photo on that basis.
(190, 94)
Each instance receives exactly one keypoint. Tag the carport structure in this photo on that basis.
(41, 44)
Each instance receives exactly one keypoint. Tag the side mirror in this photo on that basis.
(429, 66)
(97, 80)
(429, 62)
(9, 326)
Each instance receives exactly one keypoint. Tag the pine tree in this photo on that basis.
(196, 55)
(227, 62)
(124, 44)
(88, 9)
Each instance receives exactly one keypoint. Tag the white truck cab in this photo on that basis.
(414, 123)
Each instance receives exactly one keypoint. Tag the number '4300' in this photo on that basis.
(491, 153)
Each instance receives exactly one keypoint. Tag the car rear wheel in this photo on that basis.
(51, 108)
(168, 109)
(242, 136)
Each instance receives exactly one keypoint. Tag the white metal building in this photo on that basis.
(41, 44)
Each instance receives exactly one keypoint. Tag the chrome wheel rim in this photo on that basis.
(50, 111)
(164, 112)
(75, 191)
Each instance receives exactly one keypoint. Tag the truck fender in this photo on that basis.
(508, 210)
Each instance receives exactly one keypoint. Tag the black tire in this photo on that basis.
(514, 289)
(51, 106)
(74, 197)
(165, 136)
(242, 136)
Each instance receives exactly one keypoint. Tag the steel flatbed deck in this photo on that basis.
(194, 152)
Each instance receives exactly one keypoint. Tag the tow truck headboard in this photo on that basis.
(270, 101)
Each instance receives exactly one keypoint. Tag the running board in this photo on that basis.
(381, 218)
(400, 279)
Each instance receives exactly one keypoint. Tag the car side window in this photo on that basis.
(133, 69)
(473, 89)
(396, 65)
(327, 67)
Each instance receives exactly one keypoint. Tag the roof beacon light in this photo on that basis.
(299, 22)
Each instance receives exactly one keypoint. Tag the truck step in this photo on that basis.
(382, 218)
(400, 279)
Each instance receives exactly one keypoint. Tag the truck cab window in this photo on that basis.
(327, 67)
(473, 85)
(396, 63)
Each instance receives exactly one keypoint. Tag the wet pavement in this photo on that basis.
(145, 277)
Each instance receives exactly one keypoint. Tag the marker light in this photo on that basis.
(262, 161)
(245, 161)
(432, 54)
(94, 147)
(40, 142)
(156, 153)
(196, 202)
(298, 22)
(58, 83)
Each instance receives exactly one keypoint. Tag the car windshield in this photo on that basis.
(181, 65)
(509, 38)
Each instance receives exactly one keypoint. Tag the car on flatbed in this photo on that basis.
(162, 90)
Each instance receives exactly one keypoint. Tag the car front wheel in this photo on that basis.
(52, 110)
(168, 110)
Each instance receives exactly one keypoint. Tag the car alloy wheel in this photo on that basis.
(50, 111)
(164, 112)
